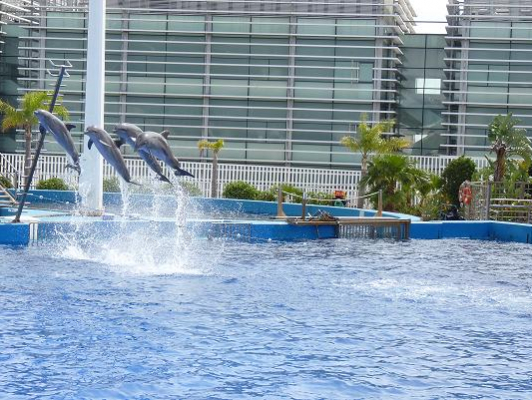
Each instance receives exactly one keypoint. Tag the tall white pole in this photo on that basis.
(91, 179)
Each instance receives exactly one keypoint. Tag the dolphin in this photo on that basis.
(61, 133)
(109, 151)
(128, 133)
(157, 145)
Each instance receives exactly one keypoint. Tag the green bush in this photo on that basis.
(240, 190)
(191, 189)
(321, 198)
(6, 183)
(52, 184)
(111, 185)
(458, 171)
(266, 195)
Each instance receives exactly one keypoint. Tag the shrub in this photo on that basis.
(321, 198)
(52, 184)
(6, 183)
(458, 171)
(191, 189)
(240, 190)
(266, 195)
(111, 185)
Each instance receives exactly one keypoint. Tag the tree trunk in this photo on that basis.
(27, 154)
(361, 187)
(214, 180)
(500, 165)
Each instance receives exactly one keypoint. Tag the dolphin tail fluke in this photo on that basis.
(76, 168)
(164, 179)
(182, 172)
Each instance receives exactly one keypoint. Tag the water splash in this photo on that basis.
(146, 237)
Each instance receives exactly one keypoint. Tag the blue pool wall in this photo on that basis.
(229, 206)
(22, 234)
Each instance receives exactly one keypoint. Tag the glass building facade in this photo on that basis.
(489, 69)
(420, 103)
(280, 81)
(283, 81)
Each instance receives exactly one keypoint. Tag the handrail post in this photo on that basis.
(40, 145)
(280, 211)
(379, 204)
(304, 206)
(488, 200)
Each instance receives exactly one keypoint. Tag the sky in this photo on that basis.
(430, 10)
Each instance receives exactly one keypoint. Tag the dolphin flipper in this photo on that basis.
(182, 172)
(89, 144)
(70, 126)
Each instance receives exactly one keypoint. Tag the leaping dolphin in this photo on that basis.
(157, 145)
(128, 133)
(107, 148)
(61, 133)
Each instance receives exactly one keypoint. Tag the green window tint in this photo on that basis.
(229, 87)
(228, 108)
(347, 91)
(313, 90)
(229, 45)
(186, 23)
(315, 113)
(311, 69)
(65, 20)
(366, 72)
(184, 86)
(355, 27)
(498, 75)
(182, 64)
(520, 95)
(521, 30)
(225, 66)
(185, 148)
(270, 46)
(350, 49)
(435, 58)
(309, 47)
(150, 85)
(267, 109)
(150, 22)
(113, 21)
(266, 151)
(152, 43)
(231, 24)
(432, 119)
(414, 57)
(409, 77)
(411, 118)
(112, 83)
(316, 26)
(436, 41)
(185, 44)
(491, 95)
(268, 88)
(311, 153)
(266, 25)
(490, 29)
(410, 99)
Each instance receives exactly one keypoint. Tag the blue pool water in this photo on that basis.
(318, 320)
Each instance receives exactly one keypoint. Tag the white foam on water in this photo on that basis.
(146, 251)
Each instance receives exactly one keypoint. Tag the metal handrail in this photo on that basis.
(13, 172)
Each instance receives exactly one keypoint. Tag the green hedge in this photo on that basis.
(52, 184)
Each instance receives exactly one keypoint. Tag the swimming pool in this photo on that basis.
(229, 320)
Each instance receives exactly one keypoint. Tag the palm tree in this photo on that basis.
(370, 141)
(215, 147)
(24, 118)
(398, 178)
(507, 141)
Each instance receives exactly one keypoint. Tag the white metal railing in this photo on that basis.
(263, 177)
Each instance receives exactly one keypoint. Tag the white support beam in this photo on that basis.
(91, 179)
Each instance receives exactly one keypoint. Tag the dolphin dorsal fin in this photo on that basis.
(165, 134)
(70, 126)
(89, 144)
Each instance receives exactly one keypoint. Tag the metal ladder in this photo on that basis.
(6, 199)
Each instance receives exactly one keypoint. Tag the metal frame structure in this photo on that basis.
(280, 81)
